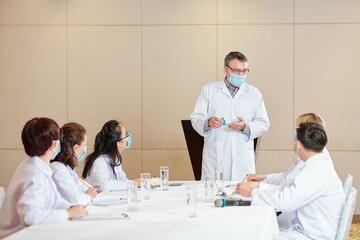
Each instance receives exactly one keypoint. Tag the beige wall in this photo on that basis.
(144, 62)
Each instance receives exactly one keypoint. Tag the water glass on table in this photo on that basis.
(219, 178)
(132, 196)
(164, 178)
(209, 188)
(191, 201)
(145, 185)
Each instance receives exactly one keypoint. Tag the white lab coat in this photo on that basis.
(316, 196)
(102, 177)
(31, 198)
(284, 179)
(277, 181)
(68, 185)
(231, 150)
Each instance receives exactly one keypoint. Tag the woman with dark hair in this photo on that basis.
(32, 197)
(73, 150)
(103, 167)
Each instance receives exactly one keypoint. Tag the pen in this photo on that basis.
(83, 182)
(245, 178)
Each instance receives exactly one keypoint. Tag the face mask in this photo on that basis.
(236, 80)
(57, 152)
(128, 139)
(81, 157)
(294, 135)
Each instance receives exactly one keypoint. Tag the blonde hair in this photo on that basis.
(310, 117)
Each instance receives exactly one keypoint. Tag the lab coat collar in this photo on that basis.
(315, 158)
(224, 88)
(243, 88)
(41, 165)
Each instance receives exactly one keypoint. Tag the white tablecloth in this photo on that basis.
(163, 216)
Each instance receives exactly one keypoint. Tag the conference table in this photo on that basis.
(163, 216)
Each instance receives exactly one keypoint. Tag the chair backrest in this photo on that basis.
(195, 145)
(2, 195)
(347, 215)
(347, 185)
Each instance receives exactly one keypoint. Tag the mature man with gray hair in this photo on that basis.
(230, 114)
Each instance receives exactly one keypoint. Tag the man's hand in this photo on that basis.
(215, 122)
(256, 178)
(245, 189)
(238, 126)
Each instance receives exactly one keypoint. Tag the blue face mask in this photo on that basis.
(128, 139)
(294, 135)
(236, 80)
(57, 152)
(81, 157)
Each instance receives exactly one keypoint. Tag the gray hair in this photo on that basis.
(232, 55)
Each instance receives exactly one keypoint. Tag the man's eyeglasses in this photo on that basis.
(238, 71)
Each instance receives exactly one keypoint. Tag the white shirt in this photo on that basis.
(31, 198)
(68, 184)
(231, 150)
(102, 177)
(316, 196)
(284, 179)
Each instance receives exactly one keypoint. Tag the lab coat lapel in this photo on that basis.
(224, 89)
(242, 89)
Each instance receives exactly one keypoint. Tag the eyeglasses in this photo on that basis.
(238, 71)
(124, 137)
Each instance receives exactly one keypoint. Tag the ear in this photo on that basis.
(225, 70)
(53, 145)
(298, 145)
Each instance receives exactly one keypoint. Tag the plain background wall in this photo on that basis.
(144, 63)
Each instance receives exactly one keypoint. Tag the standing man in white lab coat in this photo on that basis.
(316, 195)
(230, 114)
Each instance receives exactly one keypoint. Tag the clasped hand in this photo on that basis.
(215, 123)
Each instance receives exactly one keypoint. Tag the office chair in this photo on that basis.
(347, 185)
(347, 215)
(195, 144)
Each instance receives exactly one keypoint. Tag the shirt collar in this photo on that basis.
(45, 168)
(228, 85)
(316, 157)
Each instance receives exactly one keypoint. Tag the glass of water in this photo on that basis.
(132, 196)
(191, 201)
(145, 185)
(219, 178)
(164, 178)
(209, 188)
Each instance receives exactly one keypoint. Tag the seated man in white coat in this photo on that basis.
(316, 195)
